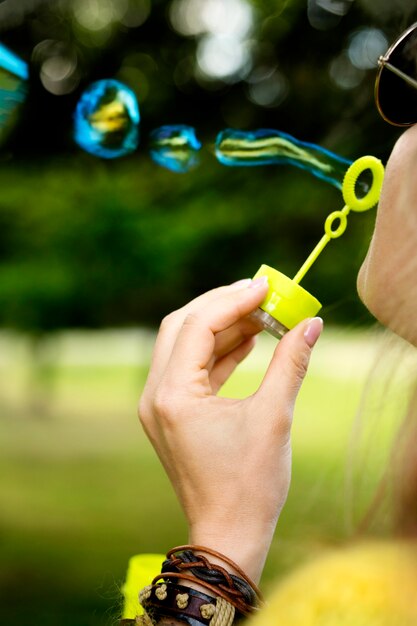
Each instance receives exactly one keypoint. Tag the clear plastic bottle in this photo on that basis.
(286, 303)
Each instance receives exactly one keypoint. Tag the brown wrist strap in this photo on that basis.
(193, 607)
(236, 602)
(223, 558)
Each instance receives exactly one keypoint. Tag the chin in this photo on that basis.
(388, 304)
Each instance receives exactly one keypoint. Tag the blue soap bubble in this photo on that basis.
(106, 122)
(14, 74)
(175, 147)
(273, 147)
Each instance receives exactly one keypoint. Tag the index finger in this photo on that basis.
(172, 325)
(195, 342)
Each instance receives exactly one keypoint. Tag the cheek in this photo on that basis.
(361, 281)
(386, 281)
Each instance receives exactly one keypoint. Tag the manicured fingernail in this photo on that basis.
(245, 282)
(261, 281)
(313, 331)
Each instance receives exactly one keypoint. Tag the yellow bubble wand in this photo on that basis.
(287, 303)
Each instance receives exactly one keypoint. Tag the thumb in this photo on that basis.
(288, 366)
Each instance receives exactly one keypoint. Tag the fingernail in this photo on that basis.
(313, 331)
(245, 282)
(261, 281)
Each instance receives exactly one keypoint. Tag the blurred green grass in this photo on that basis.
(81, 489)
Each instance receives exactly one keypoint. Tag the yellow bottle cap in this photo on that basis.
(286, 301)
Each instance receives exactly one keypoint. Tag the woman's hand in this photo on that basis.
(228, 460)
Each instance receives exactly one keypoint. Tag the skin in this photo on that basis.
(229, 461)
(386, 280)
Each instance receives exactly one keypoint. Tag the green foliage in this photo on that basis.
(97, 245)
(91, 243)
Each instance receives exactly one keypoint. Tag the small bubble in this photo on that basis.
(175, 147)
(107, 120)
(13, 89)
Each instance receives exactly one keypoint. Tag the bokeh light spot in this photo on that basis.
(344, 74)
(267, 87)
(136, 14)
(366, 46)
(97, 15)
(326, 14)
(58, 66)
(217, 17)
(223, 58)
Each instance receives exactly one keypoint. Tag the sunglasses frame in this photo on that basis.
(383, 63)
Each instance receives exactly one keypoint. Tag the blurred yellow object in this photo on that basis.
(140, 572)
(370, 584)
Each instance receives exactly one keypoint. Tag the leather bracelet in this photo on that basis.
(238, 590)
(202, 569)
(185, 604)
(239, 605)
(222, 557)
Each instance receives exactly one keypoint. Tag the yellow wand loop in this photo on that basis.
(287, 303)
(353, 203)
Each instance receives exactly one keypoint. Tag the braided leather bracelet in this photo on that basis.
(200, 567)
(240, 590)
(221, 557)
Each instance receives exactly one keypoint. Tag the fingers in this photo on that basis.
(195, 344)
(172, 324)
(228, 340)
(225, 366)
(288, 368)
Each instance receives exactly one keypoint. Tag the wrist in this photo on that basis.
(247, 550)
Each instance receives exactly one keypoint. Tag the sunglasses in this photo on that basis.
(396, 81)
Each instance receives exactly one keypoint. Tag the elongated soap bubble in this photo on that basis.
(106, 121)
(14, 74)
(175, 147)
(273, 147)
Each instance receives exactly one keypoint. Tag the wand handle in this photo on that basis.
(353, 203)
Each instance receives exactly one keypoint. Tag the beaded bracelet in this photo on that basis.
(186, 604)
(240, 606)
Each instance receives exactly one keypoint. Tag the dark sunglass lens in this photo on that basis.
(396, 98)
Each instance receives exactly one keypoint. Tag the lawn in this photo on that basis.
(81, 489)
